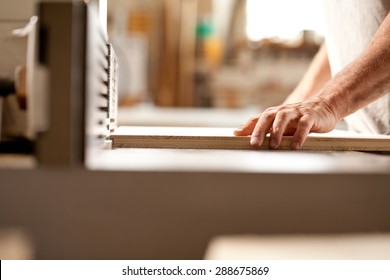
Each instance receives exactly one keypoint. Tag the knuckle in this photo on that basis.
(283, 114)
(275, 132)
(297, 111)
(270, 110)
(307, 113)
(268, 117)
(284, 106)
(304, 123)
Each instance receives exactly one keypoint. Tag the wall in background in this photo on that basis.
(17, 10)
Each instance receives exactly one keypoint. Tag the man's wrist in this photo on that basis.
(333, 98)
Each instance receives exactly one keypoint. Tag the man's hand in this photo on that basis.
(364, 80)
(298, 119)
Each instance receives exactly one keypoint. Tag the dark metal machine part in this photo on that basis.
(82, 68)
(6, 87)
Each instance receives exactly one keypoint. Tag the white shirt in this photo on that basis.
(350, 26)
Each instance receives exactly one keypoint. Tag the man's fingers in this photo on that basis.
(263, 125)
(304, 127)
(297, 119)
(247, 128)
(280, 124)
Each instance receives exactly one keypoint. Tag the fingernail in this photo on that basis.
(273, 144)
(239, 129)
(255, 141)
(295, 145)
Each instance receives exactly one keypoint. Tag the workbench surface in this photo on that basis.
(169, 204)
(240, 161)
(181, 160)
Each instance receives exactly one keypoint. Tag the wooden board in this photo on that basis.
(223, 138)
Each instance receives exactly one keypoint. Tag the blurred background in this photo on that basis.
(180, 58)
(223, 54)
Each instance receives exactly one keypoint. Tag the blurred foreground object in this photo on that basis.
(15, 244)
(301, 247)
(17, 111)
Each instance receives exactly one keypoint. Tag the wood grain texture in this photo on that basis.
(222, 138)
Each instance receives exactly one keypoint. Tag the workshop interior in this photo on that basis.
(72, 72)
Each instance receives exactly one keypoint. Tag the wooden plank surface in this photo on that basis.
(223, 138)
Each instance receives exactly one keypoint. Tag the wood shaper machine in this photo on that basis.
(73, 100)
(82, 86)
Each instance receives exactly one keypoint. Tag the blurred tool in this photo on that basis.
(18, 113)
(61, 103)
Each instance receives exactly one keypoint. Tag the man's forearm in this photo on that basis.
(315, 77)
(364, 80)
